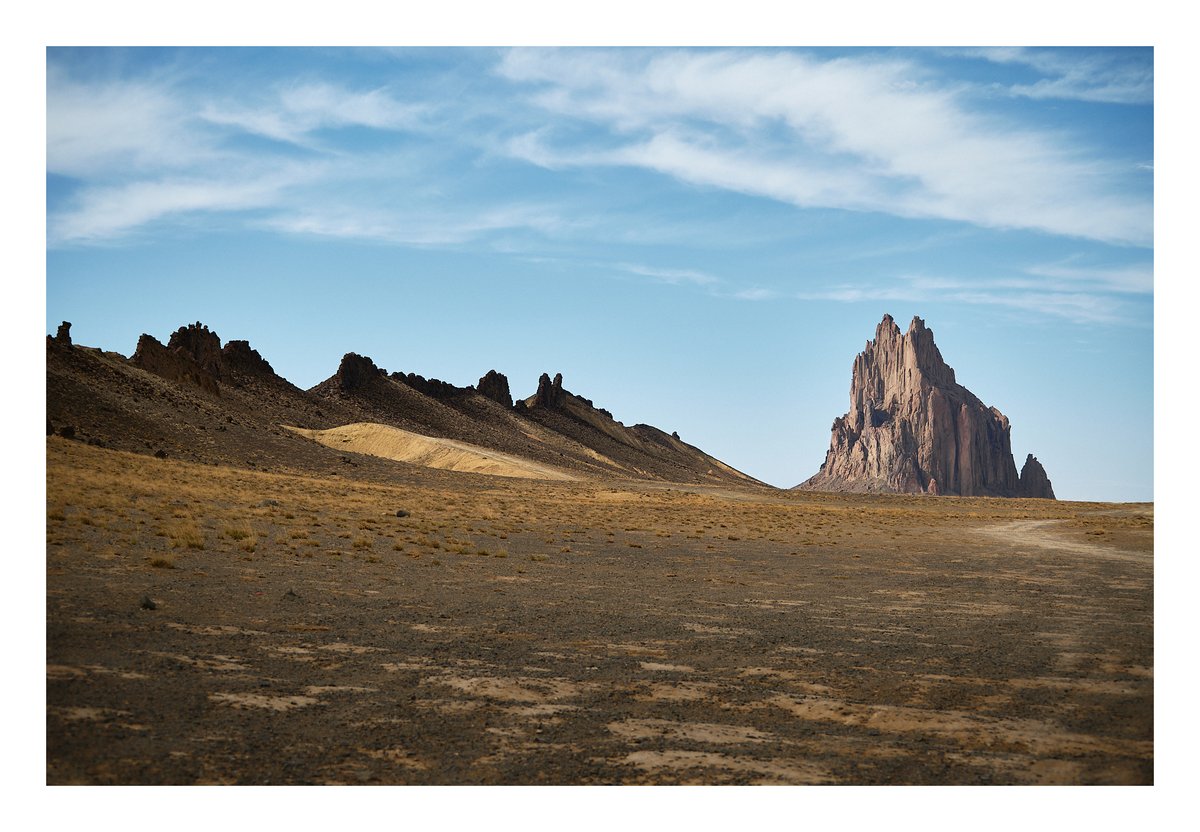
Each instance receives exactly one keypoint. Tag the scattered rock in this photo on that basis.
(148, 603)
(67, 431)
(266, 503)
(291, 595)
(401, 513)
(160, 454)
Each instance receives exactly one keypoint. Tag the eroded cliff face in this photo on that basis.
(912, 428)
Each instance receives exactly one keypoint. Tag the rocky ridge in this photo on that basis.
(194, 399)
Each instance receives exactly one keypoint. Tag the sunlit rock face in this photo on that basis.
(912, 428)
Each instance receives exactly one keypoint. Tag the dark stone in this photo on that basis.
(239, 356)
(1033, 481)
(177, 362)
(401, 513)
(356, 371)
(549, 393)
(63, 336)
(200, 344)
(160, 454)
(433, 387)
(67, 431)
(148, 603)
(494, 385)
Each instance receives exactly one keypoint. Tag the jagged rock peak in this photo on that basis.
(1033, 481)
(63, 336)
(494, 385)
(549, 393)
(239, 355)
(356, 371)
(433, 387)
(200, 344)
(912, 428)
(176, 365)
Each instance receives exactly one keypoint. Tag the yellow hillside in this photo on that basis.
(414, 448)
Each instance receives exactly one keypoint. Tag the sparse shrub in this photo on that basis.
(185, 534)
(162, 563)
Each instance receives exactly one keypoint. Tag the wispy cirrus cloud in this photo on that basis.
(99, 128)
(1077, 294)
(351, 222)
(1109, 76)
(292, 113)
(868, 134)
(579, 154)
(103, 213)
(666, 275)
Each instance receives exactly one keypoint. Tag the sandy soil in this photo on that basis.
(216, 625)
(428, 451)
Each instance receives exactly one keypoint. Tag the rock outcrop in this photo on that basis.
(912, 428)
(199, 343)
(494, 385)
(433, 387)
(176, 365)
(63, 336)
(1033, 481)
(549, 393)
(356, 371)
(240, 357)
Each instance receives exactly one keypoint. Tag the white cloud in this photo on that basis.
(862, 134)
(296, 112)
(675, 276)
(1134, 279)
(430, 228)
(1109, 76)
(105, 212)
(96, 129)
(1082, 296)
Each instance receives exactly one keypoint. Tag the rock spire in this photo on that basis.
(912, 428)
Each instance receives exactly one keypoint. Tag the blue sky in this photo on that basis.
(700, 239)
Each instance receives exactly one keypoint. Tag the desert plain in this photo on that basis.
(393, 624)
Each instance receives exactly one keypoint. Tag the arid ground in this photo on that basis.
(212, 624)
